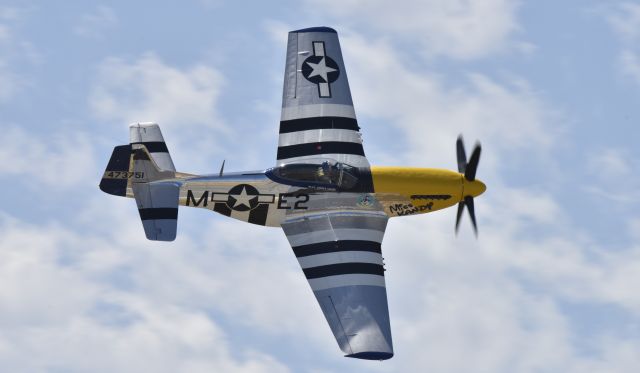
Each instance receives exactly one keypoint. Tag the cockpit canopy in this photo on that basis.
(330, 173)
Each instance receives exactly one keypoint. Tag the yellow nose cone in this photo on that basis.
(474, 188)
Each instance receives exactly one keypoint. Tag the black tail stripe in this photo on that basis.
(337, 246)
(154, 146)
(326, 147)
(343, 269)
(158, 213)
(305, 124)
(120, 157)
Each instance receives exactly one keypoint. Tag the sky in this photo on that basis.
(550, 88)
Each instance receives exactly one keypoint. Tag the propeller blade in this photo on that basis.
(472, 166)
(462, 156)
(469, 170)
(460, 209)
(468, 201)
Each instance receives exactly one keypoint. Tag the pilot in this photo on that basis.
(327, 170)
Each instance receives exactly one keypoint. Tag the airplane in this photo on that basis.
(332, 205)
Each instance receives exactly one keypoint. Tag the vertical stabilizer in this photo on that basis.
(149, 135)
(143, 169)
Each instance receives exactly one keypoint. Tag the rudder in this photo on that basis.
(115, 179)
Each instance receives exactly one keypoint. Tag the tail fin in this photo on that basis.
(125, 167)
(156, 199)
(149, 135)
(144, 170)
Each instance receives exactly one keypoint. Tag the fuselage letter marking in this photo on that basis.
(191, 198)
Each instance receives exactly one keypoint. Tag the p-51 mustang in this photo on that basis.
(331, 204)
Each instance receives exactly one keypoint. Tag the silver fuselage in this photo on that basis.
(257, 198)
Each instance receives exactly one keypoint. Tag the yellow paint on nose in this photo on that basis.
(473, 188)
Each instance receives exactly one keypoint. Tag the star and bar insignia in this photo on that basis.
(320, 69)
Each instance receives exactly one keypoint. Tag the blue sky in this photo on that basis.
(550, 88)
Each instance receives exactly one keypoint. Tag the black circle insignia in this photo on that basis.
(243, 197)
(323, 66)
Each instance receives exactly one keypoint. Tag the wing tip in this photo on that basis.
(371, 355)
(316, 29)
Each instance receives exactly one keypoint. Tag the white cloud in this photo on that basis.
(63, 160)
(624, 19)
(498, 301)
(513, 121)
(244, 272)
(210, 4)
(496, 326)
(182, 101)
(10, 81)
(630, 64)
(12, 13)
(634, 229)
(95, 24)
(16, 55)
(459, 29)
(147, 88)
(277, 31)
(61, 307)
(428, 113)
(4, 34)
(608, 166)
(610, 163)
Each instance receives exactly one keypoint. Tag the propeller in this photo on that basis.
(469, 170)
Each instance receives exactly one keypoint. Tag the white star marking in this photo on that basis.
(321, 69)
(243, 198)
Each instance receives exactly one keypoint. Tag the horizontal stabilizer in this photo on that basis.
(158, 207)
(155, 193)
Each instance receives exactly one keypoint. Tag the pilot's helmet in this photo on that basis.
(326, 167)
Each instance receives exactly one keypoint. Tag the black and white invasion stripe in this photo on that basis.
(320, 131)
(339, 250)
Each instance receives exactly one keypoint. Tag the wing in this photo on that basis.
(318, 119)
(341, 258)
